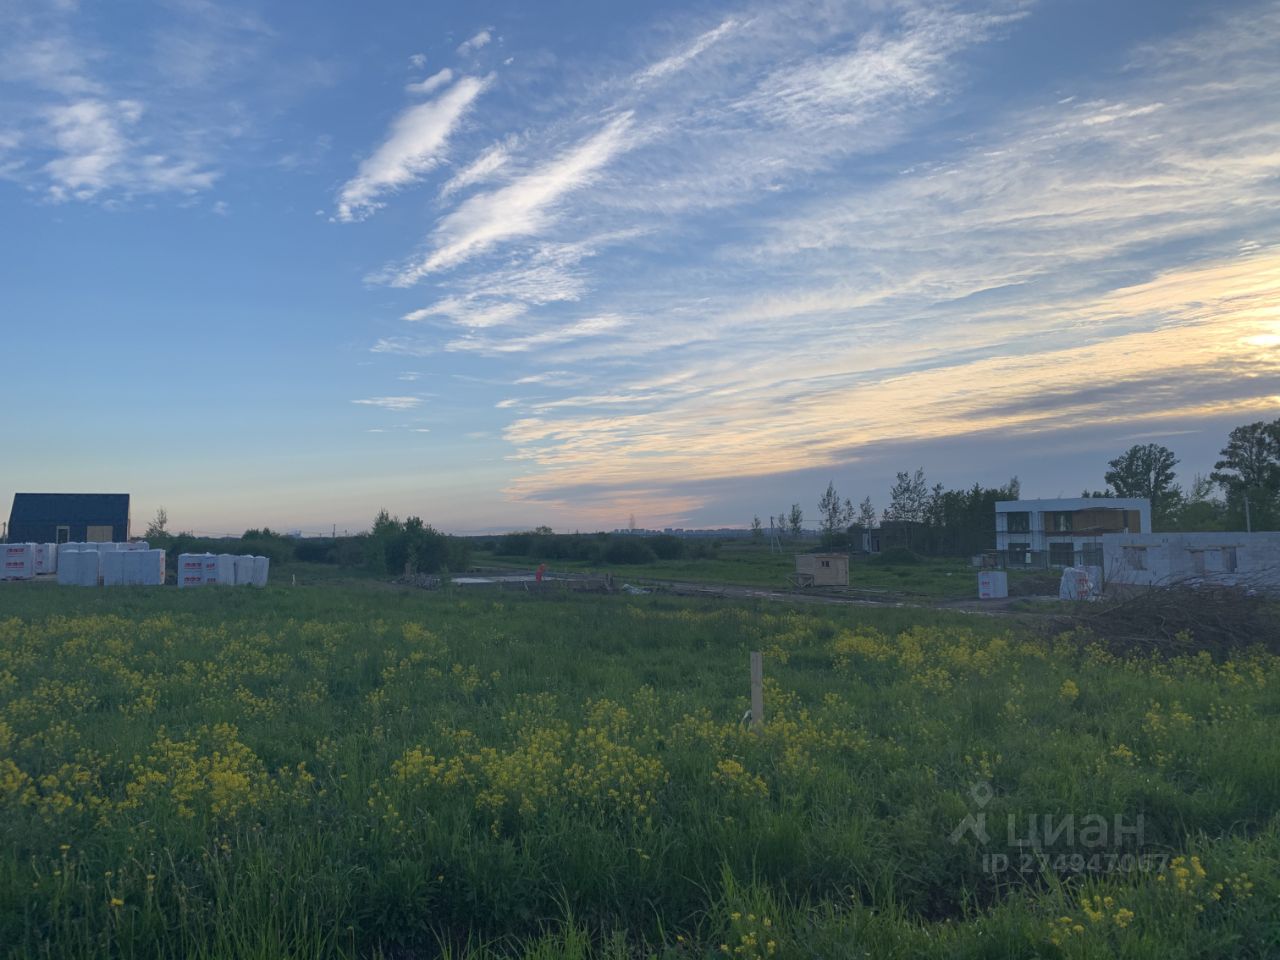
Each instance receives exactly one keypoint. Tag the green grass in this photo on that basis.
(354, 770)
(753, 565)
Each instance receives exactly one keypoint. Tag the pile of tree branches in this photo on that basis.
(1181, 618)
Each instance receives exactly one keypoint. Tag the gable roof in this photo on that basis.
(61, 507)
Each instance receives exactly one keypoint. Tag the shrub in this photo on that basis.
(629, 549)
(667, 547)
(895, 556)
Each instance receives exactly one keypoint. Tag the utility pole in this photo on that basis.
(1248, 524)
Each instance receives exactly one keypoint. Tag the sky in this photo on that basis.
(499, 264)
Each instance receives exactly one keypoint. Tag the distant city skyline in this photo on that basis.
(499, 265)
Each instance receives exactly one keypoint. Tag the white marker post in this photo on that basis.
(757, 690)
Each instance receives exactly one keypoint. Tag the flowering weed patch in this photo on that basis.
(345, 772)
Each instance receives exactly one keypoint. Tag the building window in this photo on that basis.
(1020, 553)
(1062, 554)
(826, 563)
(1197, 561)
(1135, 558)
(1058, 522)
(1229, 560)
(1093, 554)
(1018, 522)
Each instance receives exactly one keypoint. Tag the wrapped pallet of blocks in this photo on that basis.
(143, 568)
(68, 565)
(90, 568)
(224, 569)
(112, 568)
(261, 567)
(191, 569)
(244, 571)
(46, 558)
(153, 568)
(19, 561)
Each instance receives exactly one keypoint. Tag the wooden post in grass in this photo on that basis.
(757, 690)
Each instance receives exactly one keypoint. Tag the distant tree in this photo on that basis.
(1199, 510)
(543, 531)
(1146, 470)
(781, 524)
(866, 514)
(1101, 494)
(156, 529)
(631, 523)
(908, 498)
(794, 520)
(834, 515)
(1249, 473)
(757, 528)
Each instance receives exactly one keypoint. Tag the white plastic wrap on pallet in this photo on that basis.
(261, 568)
(1075, 584)
(17, 561)
(91, 568)
(151, 563)
(113, 569)
(191, 569)
(46, 558)
(130, 568)
(68, 566)
(244, 570)
(993, 585)
(224, 565)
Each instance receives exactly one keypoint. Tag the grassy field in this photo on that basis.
(346, 769)
(748, 564)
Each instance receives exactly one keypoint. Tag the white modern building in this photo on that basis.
(1065, 533)
(1154, 559)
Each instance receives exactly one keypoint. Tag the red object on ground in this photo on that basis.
(542, 568)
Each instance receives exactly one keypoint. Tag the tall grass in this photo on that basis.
(358, 772)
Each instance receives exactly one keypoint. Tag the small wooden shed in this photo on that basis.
(821, 570)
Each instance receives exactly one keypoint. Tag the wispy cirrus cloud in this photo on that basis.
(96, 153)
(677, 61)
(475, 42)
(810, 251)
(414, 145)
(489, 161)
(524, 206)
(432, 83)
(469, 312)
(391, 403)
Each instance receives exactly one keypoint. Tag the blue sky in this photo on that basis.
(503, 264)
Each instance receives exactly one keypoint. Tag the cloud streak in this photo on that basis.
(391, 403)
(414, 145)
(524, 207)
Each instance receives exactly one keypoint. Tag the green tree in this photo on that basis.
(1249, 473)
(1146, 470)
(156, 529)
(866, 514)
(908, 497)
(834, 516)
(757, 528)
(794, 520)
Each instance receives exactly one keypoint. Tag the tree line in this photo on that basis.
(1242, 492)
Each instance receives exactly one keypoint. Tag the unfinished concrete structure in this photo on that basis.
(1152, 559)
(1067, 532)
